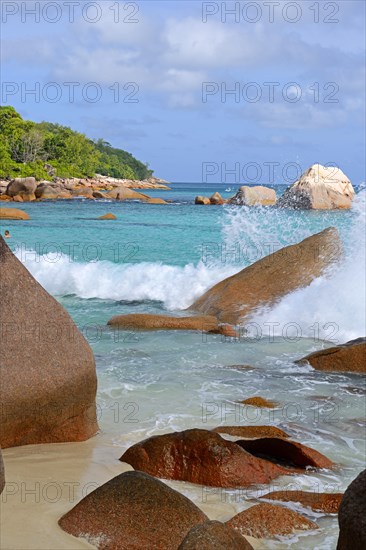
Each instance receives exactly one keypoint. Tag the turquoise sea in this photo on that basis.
(160, 258)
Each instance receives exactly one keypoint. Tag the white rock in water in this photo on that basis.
(321, 188)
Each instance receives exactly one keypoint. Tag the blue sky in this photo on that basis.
(154, 78)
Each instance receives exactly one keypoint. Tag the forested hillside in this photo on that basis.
(26, 147)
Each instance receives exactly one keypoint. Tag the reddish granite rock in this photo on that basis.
(133, 511)
(202, 200)
(214, 535)
(13, 214)
(156, 200)
(251, 432)
(108, 216)
(216, 198)
(259, 402)
(292, 452)
(145, 321)
(47, 371)
(319, 502)
(2, 473)
(98, 194)
(267, 281)
(123, 194)
(265, 521)
(349, 357)
(254, 196)
(86, 192)
(352, 516)
(200, 456)
(22, 187)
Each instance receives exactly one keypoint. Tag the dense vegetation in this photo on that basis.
(26, 147)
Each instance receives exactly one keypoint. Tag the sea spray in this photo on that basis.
(332, 307)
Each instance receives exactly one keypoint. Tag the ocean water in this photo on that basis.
(159, 259)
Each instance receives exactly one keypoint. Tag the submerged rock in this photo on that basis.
(13, 214)
(251, 432)
(349, 357)
(108, 216)
(200, 456)
(328, 503)
(265, 521)
(320, 188)
(145, 321)
(214, 535)
(265, 282)
(260, 402)
(254, 196)
(133, 511)
(48, 377)
(284, 450)
(352, 516)
(156, 201)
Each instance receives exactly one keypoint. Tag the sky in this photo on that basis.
(232, 92)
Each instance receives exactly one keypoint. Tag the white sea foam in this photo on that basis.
(177, 287)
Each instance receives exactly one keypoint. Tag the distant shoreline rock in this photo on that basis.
(99, 187)
(319, 188)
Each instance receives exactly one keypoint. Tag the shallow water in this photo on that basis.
(160, 258)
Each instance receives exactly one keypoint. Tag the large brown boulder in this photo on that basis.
(349, 357)
(265, 521)
(23, 187)
(251, 432)
(265, 282)
(284, 450)
(254, 196)
(47, 369)
(320, 188)
(327, 503)
(144, 321)
(352, 516)
(13, 214)
(214, 535)
(125, 194)
(200, 456)
(2, 473)
(133, 511)
(48, 191)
